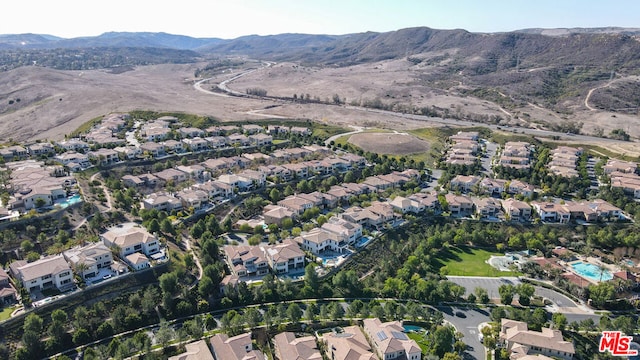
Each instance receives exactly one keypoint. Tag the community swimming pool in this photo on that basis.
(591, 271)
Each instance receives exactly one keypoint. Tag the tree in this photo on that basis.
(33, 322)
(602, 293)
(525, 292)
(205, 287)
(442, 340)
(164, 334)
(481, 295)
(169, 283)
(311, 311)
(81, 336)
(167, 227)
(311, 279)
(625, 324)
(559, 320)
(337, 311)
(274, 195)
(506, 292)
(294, 313)
(252, 317)
(153, 226)
(26, 246)
(254, 240)
(349, 177)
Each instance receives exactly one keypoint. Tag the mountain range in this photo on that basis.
(596, 46)
(538, 76)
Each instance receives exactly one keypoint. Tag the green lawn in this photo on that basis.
(468, 262)
(6, 313)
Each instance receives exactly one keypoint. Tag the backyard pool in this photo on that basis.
(362, 241)
(70, 201)
(412, 328)
(591, 271)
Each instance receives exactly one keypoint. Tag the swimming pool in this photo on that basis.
(412, 328)
(362, 241)
(72, 200)
(591, 272)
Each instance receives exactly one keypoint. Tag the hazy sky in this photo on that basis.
(232, 18)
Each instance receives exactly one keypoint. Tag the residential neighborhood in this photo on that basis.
(274, 206)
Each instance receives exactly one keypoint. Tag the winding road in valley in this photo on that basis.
(227, 91)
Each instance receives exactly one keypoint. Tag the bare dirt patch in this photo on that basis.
(389, 143)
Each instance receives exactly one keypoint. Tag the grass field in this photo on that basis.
(468, 262)
(6, 313)
(419, 338)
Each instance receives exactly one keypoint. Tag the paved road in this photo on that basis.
(491, 148)
(357, 129)
(561, 303)
(491, 284)
(468, 324)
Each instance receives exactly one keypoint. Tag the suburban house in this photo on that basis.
(492, 186)
(288, 347)
(407, 205)
(216, 190)
(130, 238)
(345, 232)
(8, 294)
(428, 200)
(614, 165)
(193, 198)
(390, 341)
(486, 207)
(244, 260)
(161, 201)
(464, 183)
(198, 350)
(358, 215)
(459, 204)
(520, 187)
(72, 157)
(516, 210)
(87, 260)
(234, 348)
(216, 142)
(73, 144)
(48, 272)
(296, 204)
(318, 241)
(347, 345)
(629, 183)
(190, 132)
(196, 144)
(137, 261)
(252, 129)
(154, 149)
(520, 341)
(261, 139)
(129, 152)
(552, 212)
(285, 257)
(275, 214)
(104, 156)
(173, 146)
(174, 175)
